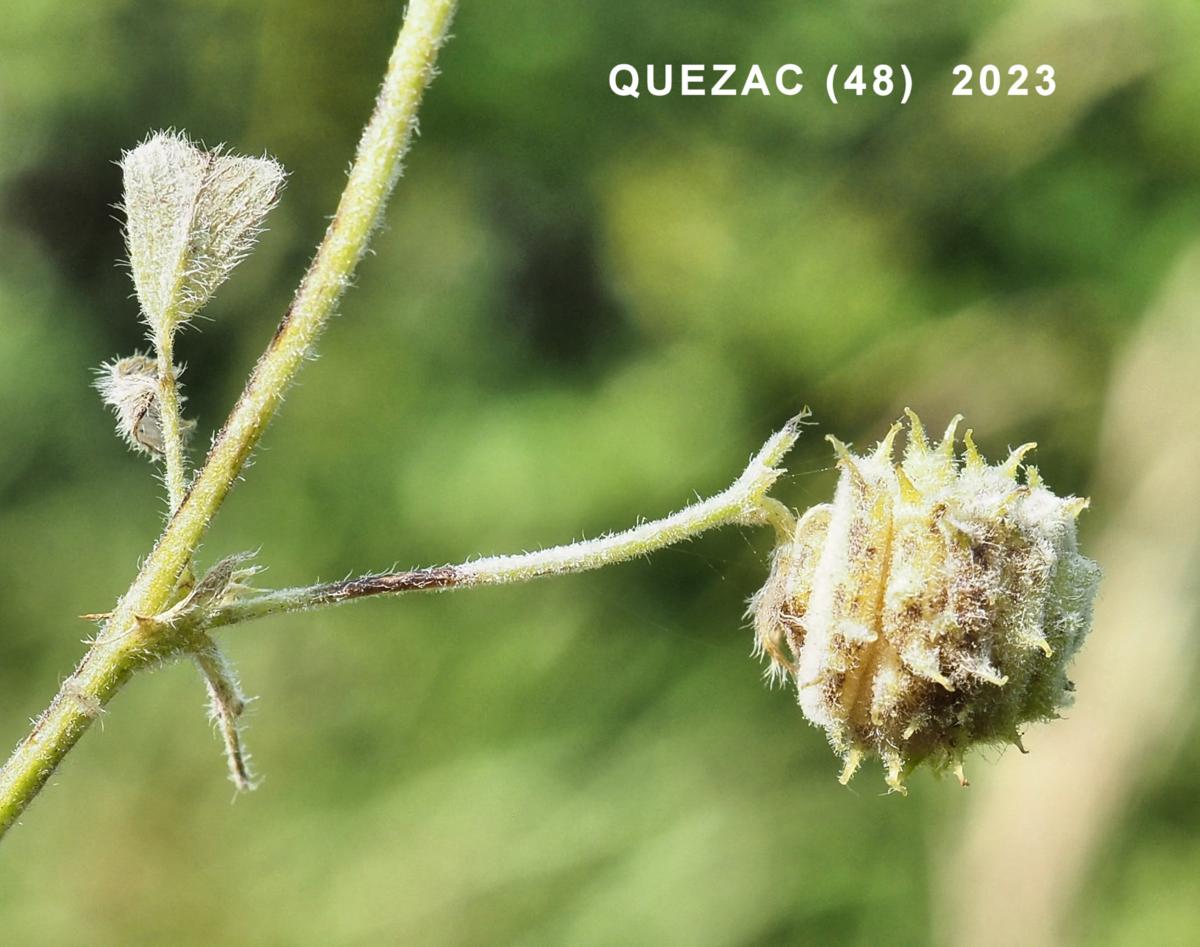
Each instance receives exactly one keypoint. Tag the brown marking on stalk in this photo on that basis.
(416, 580)
(283, 324)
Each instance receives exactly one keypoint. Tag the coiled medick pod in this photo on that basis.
(932, 607)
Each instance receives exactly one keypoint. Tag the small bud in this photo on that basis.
(932, 607)
(191, 217)
(223, 584)
(130, 387)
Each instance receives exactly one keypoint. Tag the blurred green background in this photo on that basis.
(585, 310)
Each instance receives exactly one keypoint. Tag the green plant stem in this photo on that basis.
(744, 502)
(125, 643)
(170, 421)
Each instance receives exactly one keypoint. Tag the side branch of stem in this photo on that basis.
(744, 502)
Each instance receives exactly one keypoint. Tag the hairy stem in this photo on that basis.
(105, 669)
(226, 704)
(112, 659)
(744, 502)
(170, 420)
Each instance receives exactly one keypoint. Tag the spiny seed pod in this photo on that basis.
(932, 607)
(191, 217)
(130, 387)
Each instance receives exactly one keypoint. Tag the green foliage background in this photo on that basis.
(583, 310)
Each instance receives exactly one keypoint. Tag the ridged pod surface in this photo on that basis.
(934, 605)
